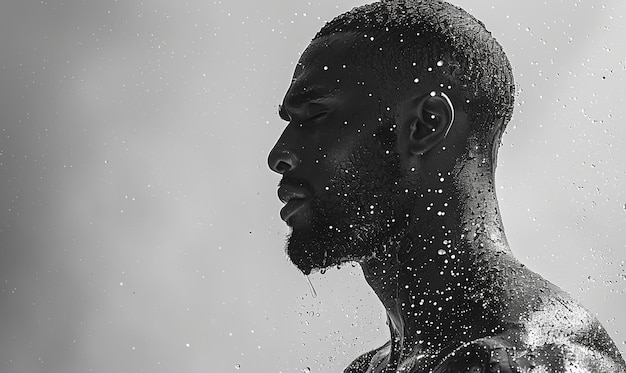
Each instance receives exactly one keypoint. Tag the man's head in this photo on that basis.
(408, 40)
(370, 107)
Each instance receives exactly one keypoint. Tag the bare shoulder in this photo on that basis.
(369, 361)
(493, 353)
(564, 334)
(496, 354)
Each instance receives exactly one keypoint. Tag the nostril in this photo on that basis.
(282, 167)
(283, 161)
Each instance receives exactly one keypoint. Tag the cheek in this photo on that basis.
(333, 161)
(341, 146)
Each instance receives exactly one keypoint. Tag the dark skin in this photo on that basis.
(456, 298)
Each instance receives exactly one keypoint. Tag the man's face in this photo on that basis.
(341, 174)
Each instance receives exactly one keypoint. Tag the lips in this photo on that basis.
(295, 199)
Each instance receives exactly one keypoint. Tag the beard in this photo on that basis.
(364, 211)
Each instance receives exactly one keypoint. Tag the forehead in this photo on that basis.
(331, 48)
(326, 64)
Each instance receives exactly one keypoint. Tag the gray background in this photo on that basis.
(139, 227)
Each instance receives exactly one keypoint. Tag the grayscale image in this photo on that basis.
(310, 186)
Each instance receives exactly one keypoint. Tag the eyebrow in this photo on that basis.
(303, 97)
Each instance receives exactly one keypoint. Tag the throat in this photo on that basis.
(426, 301)
(438, 288)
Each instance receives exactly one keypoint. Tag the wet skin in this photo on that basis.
(407, 194)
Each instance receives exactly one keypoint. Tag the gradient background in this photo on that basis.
(139, 227)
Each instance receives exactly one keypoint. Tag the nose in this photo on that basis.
(282, 161)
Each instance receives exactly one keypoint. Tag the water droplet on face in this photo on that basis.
(441, 252)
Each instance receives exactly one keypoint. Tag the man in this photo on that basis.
(395, 114)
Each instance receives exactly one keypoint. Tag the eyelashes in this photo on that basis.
(309, 118)
(315, 117)
(283, 114)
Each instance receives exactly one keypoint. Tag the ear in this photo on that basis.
(431, 119)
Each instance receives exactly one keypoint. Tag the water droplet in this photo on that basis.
(441, 252)
(325, 68)
(440, 63)
(313, 292)
(237, 366)
(416, 80)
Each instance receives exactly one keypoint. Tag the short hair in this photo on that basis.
(461, 54)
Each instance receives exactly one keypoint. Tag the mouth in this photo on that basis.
(291, 208)
(295, 199)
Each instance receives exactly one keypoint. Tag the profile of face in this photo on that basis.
(346, 192)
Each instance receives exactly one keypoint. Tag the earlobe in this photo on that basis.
(431, 120)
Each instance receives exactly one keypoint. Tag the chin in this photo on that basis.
(317, 248)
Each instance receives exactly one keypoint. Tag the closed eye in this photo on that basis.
(294, 116)
(315, 117)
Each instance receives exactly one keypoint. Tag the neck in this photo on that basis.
(437, 282)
